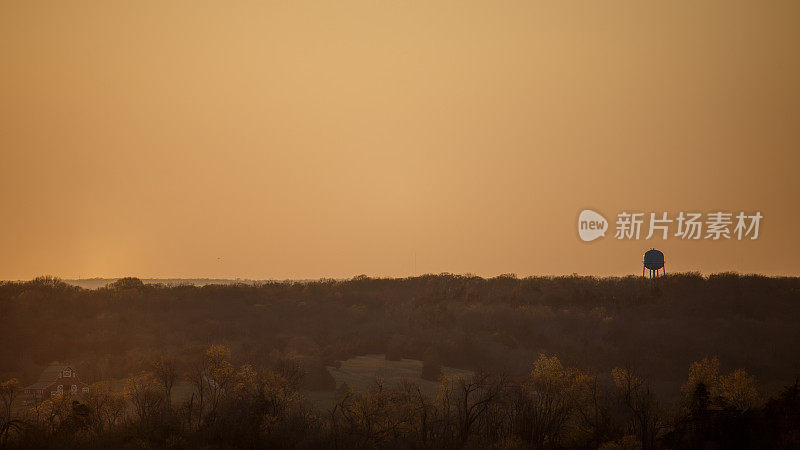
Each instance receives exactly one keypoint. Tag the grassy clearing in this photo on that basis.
(361, 372)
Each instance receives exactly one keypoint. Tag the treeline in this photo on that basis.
(502, 324)
(551, 407)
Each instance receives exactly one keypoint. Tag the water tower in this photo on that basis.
(653, 260)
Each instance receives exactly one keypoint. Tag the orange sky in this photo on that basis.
(307, 139)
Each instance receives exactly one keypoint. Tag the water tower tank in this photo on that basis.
(653, 260)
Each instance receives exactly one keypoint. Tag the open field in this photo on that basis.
(360, 374)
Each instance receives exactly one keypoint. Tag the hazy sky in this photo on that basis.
(333, 138)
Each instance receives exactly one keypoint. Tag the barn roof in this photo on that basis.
(49, 376)
(39, 385)
(51, 373)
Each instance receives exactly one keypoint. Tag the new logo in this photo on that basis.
(591, 225)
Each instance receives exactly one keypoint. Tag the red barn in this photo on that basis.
(56, 379)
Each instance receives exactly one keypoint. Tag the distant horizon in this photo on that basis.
(102, 282)
(353, 277)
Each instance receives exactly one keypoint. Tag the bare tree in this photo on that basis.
(145, 394)
(107, 406)
(196, 405)
(9, 390)
(165, 373)
(473, 397)
(636, 395)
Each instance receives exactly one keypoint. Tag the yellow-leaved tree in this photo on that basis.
(737, 389)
